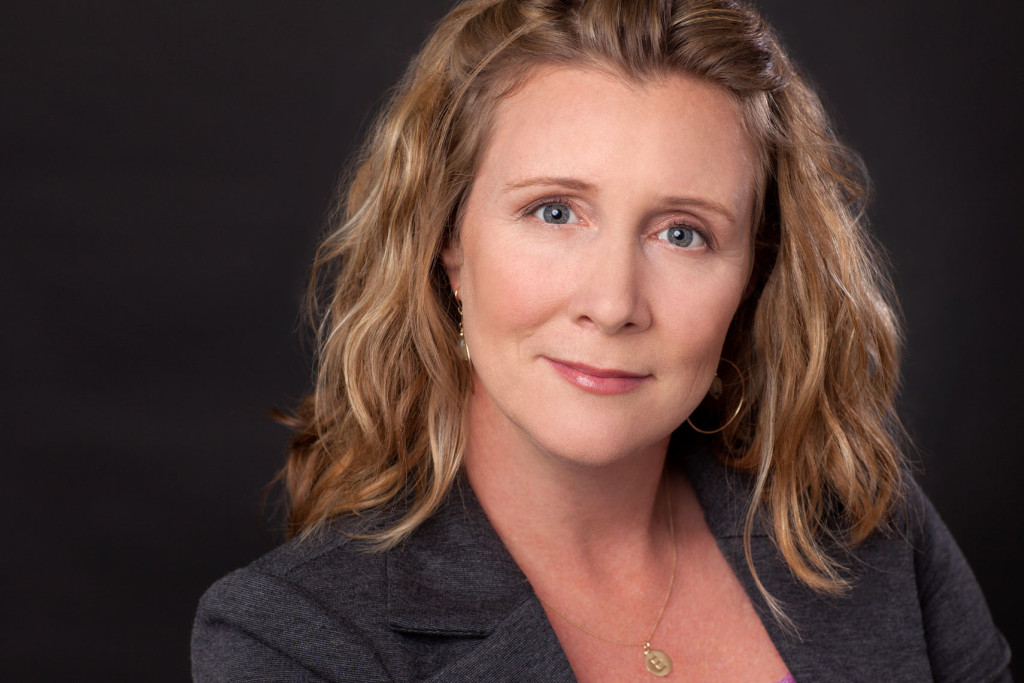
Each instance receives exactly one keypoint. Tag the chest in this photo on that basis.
(709, 631)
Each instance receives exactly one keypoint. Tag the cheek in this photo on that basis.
(511, 287)
(697, 314)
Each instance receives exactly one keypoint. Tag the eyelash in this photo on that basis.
(697, 231)
(540, 203)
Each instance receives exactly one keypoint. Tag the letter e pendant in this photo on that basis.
(657, 662)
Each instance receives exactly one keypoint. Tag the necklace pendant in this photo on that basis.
(657, 662)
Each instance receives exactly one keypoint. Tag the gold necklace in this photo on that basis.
(656, 661)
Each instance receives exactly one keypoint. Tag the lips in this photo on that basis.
(604, 381)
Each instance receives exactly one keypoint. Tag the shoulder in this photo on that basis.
(312, 606)
(448, 604)
(963, 642)
(914, 609)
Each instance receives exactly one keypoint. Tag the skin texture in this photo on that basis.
(604, 249)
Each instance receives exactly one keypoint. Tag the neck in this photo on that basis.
(554, 512)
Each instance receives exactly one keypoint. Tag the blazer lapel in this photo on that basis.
(834, 636)
(454, 578)
(521, 648)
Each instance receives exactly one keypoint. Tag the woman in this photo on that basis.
(605, 384)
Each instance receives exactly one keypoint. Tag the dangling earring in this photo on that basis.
(715, 392)
(463, 346)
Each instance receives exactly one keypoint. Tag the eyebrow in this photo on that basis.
(571, 183)
(583, 186)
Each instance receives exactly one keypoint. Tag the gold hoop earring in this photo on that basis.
(715, 392)
(463, 346)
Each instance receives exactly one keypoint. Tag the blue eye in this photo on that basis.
(557, 214)
(682, 236)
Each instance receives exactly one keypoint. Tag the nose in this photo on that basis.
(609, 292)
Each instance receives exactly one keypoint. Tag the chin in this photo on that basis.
(587, 446)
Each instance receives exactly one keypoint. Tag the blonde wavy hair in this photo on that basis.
(817, 338)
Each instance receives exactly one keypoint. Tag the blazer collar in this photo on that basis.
(454, 578)
(454, 575)
(724, 494)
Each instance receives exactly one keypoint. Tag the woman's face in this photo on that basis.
(604, 248)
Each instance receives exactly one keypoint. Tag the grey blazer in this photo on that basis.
(450, 604)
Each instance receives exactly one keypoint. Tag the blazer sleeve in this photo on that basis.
(257, 627)
(963, 642)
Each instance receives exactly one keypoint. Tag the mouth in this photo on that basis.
(604, 381)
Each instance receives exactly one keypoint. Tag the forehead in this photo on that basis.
(680, 132)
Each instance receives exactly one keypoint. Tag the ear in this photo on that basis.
(451, 256)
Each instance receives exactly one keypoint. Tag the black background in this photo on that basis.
(166, 169)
